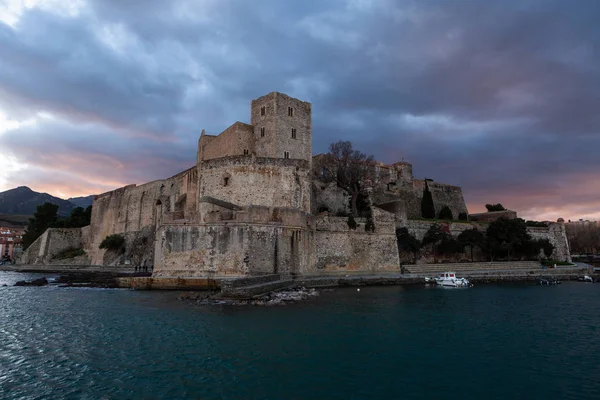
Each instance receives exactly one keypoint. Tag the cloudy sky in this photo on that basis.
(499, 97)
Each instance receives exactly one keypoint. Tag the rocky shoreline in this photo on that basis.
(106, 280)
(279, 298)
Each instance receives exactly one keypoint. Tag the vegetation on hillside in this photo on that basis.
(505, 239)
(46, 216)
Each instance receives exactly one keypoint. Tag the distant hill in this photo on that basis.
(23, 201)
(84, 202)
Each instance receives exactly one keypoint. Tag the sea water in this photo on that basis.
(487, 342)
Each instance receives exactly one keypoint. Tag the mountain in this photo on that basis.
(24, 201)
(84, 202)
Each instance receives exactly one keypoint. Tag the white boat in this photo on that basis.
(450, 279)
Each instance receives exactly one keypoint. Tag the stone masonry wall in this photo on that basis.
(257, 181)
(340, 249)
(231, 142)
(132, 208)
(330, 196)
(412, 194)
(278, 125)
(52, 242)
(555, 233)
(221, 250)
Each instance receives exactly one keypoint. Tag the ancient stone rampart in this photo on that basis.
(555, 233)
(53, 241)
(132, 208)
(236, 140)
(222, 250)
(272, 182)
(340, 249)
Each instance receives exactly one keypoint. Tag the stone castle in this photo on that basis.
(252, 205)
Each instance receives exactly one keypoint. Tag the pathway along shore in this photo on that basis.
(107, 277)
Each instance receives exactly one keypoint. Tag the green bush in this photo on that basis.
(70, 252)
(113, 242)
(536, 224)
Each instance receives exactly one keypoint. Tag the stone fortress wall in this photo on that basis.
(246, 180)
(252, 205)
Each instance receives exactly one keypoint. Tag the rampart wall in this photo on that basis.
(233, 141)
(52, 242)
(132, 208)
(340, 249)
(221, 250)
(258, 181)
(555, 233)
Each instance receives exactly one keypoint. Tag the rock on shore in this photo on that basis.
(271, 299)
(35, 282)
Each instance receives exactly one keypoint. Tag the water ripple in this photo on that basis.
(492, 342)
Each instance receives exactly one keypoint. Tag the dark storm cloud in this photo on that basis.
(498, 97)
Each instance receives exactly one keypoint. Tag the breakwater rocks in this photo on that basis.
(279, 298)
(35, 282)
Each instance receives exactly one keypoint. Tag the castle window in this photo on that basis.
(290, 112)
(262, 132)
(286, 154)
(293, 133)
(263, 110)
(226, 181)
(245, 152)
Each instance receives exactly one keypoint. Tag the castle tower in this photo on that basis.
(404, 173)
(282, 127)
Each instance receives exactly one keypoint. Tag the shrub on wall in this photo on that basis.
(113, 242)
(70, 252)
(463, 216)
(445, 213)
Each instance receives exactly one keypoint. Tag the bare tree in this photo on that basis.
(347, 167)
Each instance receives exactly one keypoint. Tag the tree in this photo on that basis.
(471, 238)
(448, 246)
(506, 236)
(78, 218)
(546, 246)
(113, 242)
(407, 242)
(43, 218)
(427, 207)
(433, 236)
(347, 167)
(445, 213)
(495, 207)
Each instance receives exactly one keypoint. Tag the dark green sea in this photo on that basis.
(487, 342)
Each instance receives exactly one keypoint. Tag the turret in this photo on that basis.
(282, 127)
